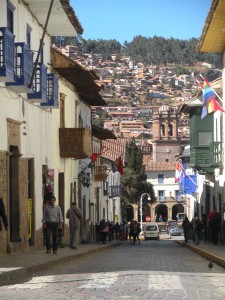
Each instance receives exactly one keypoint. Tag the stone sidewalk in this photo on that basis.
(18, 267)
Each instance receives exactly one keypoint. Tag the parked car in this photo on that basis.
(181, 216)
(168, 224)
(151, 231)
(175, 230)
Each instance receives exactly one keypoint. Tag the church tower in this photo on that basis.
(166, 142)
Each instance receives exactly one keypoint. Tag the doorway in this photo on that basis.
(14, 207)
(61, 193)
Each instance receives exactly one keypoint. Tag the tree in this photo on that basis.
(134, 180)
(98, 122)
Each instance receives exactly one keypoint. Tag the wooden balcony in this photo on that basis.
(74, 142)
(100, 173)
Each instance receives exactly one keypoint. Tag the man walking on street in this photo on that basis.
(52, 220)
(74, 215)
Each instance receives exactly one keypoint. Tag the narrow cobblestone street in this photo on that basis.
(152, 270)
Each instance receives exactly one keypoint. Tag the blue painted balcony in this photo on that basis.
(39, 88)
(6, 55)
(23, 66)
(52, 92)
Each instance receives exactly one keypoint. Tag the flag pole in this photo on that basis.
(211, 88)
(186, 173)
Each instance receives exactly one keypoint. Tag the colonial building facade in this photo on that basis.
(45, 117)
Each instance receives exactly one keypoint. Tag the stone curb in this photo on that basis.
(24, 273)
(208, 255)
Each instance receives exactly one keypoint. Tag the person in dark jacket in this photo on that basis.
(104, 227)
(3, 216)
(215, 227)
(186, 227)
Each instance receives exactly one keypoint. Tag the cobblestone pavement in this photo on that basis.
(152, 270)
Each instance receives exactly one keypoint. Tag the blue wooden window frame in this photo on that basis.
(23, 68)
(161, 194)
(10, 16)
(52, 92)
(28, 35)
(7, 49)
(39, 87)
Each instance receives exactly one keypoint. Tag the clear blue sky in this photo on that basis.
(124, 19)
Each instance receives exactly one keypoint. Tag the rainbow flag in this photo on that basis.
(210, 105)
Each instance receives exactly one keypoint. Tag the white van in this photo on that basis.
(151, 231)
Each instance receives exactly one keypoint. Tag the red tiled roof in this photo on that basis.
(160, 166)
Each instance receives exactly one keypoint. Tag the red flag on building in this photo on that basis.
(117, 165)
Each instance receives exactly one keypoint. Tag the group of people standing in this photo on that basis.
(107, 230)
(210, 226)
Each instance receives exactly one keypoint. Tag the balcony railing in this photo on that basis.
(114, 191)
(6, 55)
(39, 89)
(100, 173)
(216, 154)
(206, 158)
(52, 92)
(23, 66)
(161, 198)
(75, 142)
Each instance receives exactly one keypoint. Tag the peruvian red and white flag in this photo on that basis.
(179, 172)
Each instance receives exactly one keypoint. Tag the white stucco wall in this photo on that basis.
(169, 184)
(40, 126)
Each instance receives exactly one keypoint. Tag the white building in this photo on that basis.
(45, 116)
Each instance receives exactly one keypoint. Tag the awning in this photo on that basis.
(213, 34)
(82, 79)
(102, 133)
(62, 22)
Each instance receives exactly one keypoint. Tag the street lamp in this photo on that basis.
(149, 198)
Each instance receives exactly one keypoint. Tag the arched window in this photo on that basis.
(162, 130)
(170, 130)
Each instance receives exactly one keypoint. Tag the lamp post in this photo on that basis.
(149, 198)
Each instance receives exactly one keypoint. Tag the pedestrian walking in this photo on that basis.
(205, 227)
(104, 227)
(138, 232)
(52, 221)
(215, 228)
(186, 226)
(117, 230)
(197, 226)
(131, 230)
(135, 231)
(111, 230)
(74, 215)
(214, 225)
